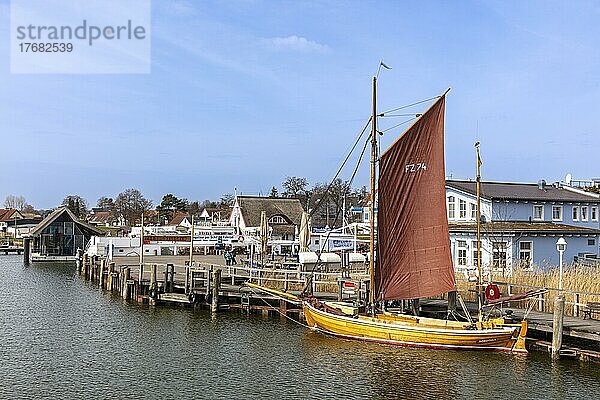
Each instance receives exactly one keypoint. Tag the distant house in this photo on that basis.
(102, 218)
(21, 227)
(59, 235)
(521, 223)
(7, 215)
(180, 219)
(283, 218)
(211, 215)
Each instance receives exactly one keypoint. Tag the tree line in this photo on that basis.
(325, 202)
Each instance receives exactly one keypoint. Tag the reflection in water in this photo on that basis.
(61, 338)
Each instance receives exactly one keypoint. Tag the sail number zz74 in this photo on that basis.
(416, 167)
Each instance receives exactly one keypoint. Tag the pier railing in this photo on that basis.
(281, 276)
(575, 300)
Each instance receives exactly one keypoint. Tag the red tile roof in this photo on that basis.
(7, 214)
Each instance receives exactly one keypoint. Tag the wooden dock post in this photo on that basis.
(216, 287)
(101, 269)
(26, 250)
(86, 267)
(78, 261)
(187, 280)
(557, 325)
(153, 276)
(126, 274)
(141, 276)
(109, 278)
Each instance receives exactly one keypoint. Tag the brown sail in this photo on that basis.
(414, 259)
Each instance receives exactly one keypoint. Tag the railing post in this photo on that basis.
(541, 302)
(576, 305)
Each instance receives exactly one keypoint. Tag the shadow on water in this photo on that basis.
(61, 338)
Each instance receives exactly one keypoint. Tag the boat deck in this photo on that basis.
(540, 324)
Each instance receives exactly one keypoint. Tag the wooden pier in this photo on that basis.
(211, 286)
(218, 287)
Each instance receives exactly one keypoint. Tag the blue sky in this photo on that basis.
(243, 94)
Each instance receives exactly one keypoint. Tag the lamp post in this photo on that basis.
(561, 246)
(559, 305)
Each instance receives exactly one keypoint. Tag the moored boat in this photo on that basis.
(413, 258)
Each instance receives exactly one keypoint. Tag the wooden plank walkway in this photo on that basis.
(573, 327)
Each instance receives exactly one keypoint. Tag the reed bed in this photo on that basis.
(581, 284)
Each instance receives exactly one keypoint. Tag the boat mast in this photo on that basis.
(372, 208)
(479, 277)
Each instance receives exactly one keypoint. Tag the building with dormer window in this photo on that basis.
(521, 223)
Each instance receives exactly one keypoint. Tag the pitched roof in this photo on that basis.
(7, 214)
(57, 213)
(522, 191)
(252, 206)
(524, 227)
(178, 218)
(101, 217)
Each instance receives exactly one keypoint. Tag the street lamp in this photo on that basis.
(561, 246)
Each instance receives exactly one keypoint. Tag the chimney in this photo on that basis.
(541, 184)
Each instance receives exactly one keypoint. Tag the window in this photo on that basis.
(366, 216)
(584, 213)
(277, 219)
(575, 213)
(451, 207)
(473, 211)
(538, 212)
(499, 254)
(462, 209)
(591, 242)
(594, 213)
(557, 213)
(525, 253)
(462, 252)
(475, 256)
(474, 244)
(69, 228)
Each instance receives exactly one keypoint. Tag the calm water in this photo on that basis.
(61, 338)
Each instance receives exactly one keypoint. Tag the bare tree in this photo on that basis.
(327, 201)
(129, 206)
(106, 203)
(16, 202)
(294, 186)
(77, 204)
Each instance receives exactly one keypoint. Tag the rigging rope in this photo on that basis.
(340, 169)
(410, 105)
(278, 310)
(397, 125)
(319, 261)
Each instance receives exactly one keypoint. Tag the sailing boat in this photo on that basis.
(413, 258)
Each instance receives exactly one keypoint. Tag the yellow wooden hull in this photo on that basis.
(416, 331)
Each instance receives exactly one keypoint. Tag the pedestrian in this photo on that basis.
(226, 257)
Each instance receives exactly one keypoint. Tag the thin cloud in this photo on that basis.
(296, 43)
(179, 8)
